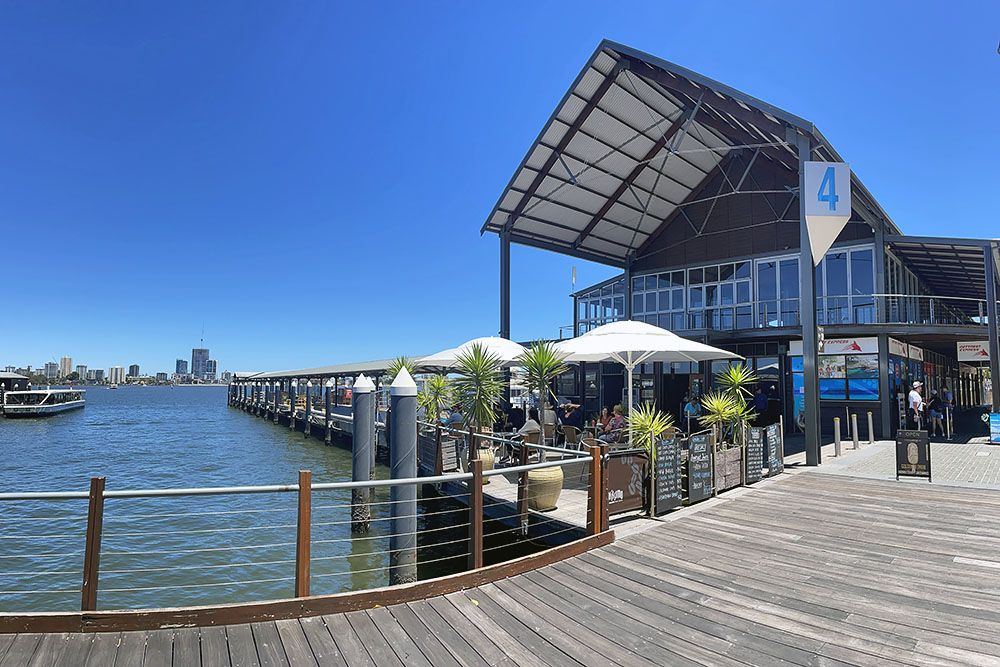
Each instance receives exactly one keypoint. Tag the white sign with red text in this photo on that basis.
(975, 351)
(897, 348)
(839, 346)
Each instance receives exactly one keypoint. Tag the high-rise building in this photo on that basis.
(211, 367)
(98, 375)
(227, 377)
(81, 371)
(181, 367)
(52, 370)
(133, 371)
(65, 366)
(116, 375)
(161, 377)
(199, 362)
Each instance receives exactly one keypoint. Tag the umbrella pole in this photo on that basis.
(630, 367)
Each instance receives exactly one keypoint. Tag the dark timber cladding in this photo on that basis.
(863, 572)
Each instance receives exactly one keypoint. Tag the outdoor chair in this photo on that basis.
(571, 436)
(550, 434)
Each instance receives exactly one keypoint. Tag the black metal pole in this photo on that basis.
(807, 310)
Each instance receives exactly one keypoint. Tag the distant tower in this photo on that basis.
(133, 370)
(65, 366)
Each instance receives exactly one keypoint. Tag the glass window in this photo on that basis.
(663, 280)
(696, 276)
(651, 302)
(619, 306)
(638, 284)
(789, 278)
(862, 272)
(835, 267)
(711, 274)
(677, 302)
(664, 300)
(650, 283)
(711, 295)
(726, 294)
(637, 303)
(743, 292)
(677, 278)
(726, 272)
(606, 290)
(697, 299)
(743, 270)
(618, 287)
(767, 281)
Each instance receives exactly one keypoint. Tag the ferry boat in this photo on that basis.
(41, 402)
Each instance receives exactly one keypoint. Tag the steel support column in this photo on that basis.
(807, 308)
(505, 285)
(885, 398)
(991, 316)
(628, 291)
(881, 304)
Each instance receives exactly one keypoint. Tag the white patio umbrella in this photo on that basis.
(507, 350)
(631, 343)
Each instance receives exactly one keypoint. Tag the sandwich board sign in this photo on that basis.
(913, 454)
(827, 204)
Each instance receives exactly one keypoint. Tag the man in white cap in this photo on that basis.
(916, 402)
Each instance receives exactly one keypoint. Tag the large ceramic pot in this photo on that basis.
(544, 487)
(488, 459)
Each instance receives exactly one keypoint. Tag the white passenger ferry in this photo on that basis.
(41, 402)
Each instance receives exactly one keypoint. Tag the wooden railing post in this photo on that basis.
(476, 515)
(522, 490)
(605, 485)
(303, 535)
(92, 553)
(473, 449)
(595, 492)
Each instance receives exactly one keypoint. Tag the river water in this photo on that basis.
(188, 550)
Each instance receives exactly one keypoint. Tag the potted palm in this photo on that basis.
(647, 424)
(434, 397)
(478, 389)
(542, 363)
(727, 412)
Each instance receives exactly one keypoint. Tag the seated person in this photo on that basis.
(455, 419)
(531, 425)
(572, 415)
(613, 431)
(515, 417)
(549, 414)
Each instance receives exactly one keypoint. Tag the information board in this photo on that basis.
(913, 454)
(699, 472)
(627, 470)
(995, 428)
(668, 475)
(775, 450)
(755, 455)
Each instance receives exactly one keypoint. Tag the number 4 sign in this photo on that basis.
(827, 203)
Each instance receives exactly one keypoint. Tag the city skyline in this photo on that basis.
(65, 367)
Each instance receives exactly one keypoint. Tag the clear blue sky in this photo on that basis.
(308, 181)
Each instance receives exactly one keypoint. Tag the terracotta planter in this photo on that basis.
(486, 456)
(544, 487)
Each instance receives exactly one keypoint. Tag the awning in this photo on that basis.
(634, 141)
(371, 368)
(947, 266)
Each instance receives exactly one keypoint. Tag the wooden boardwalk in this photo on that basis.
(809, 569)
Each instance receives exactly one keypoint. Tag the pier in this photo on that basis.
(858, 572)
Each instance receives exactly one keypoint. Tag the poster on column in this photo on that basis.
(827, 203)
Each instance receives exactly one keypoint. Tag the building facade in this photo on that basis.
(133, 370)
(181, 367)
(116, 375)
(65, 366)
(81, 371)
(199, 362)
(51, 371)
(691, 189)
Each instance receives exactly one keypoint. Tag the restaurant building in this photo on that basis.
(691, 188)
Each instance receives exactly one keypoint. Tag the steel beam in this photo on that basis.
(991, 316)
(807, 314)
(505, 285)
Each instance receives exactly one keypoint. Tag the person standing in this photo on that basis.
(935, 412)
(916, 405)
(760, 407)
(947, 403)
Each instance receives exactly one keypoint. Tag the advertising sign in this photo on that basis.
(699, 472)
(897, 348)
(975, 351)
(755, 455)
(775, 450)
(668, 492)
(915, 353)
(827, 202)
(995, 428)
(627, 480)
(913, 454)
(843, 346)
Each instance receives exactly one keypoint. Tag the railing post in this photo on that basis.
(854, 428)
(303, 535)
(871, 429)
(476, 515)
(438, 457)
(473, 450)
(277, 400)
(362, 441)
(292, 391)
(92, 553)
(605, 485)
(309, 404)
(522, 490)
(595, 492)
(836, 436)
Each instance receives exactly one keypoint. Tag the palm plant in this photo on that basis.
(398, 364)
(647, 424)
(479, 385)
(736, 381)
(434, 396)
(542, 363)
(718, 410)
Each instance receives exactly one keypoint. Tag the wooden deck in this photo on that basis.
(808, 569)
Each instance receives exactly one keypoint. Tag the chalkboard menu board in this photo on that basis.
(668, 474)
(755, 455)
(699, 478)
(775, 450)
(913, 454)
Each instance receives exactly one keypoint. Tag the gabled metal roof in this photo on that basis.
(947, 266)
(633, 139)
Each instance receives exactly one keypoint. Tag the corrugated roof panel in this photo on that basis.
(569, 111)
(541, 229)
(555, 132)
(538, 157)
(589, 84)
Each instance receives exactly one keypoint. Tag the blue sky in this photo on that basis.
(307, 180)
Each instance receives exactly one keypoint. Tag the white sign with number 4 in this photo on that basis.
(827, 204)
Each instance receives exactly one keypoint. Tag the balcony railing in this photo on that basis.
(830, 310)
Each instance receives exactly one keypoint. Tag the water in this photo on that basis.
(189, 550)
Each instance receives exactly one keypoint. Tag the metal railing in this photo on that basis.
(912, 309)
(207, 545)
